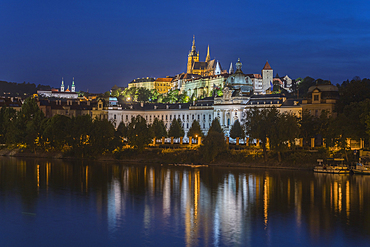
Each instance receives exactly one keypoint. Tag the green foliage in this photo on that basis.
(56, 131)
(215, 126)
(195, 130)
(269, 123)
(119, 135)
(16, 89)
(213, 144)
(143, 94)
(7, 118)
(307, 82)
(176, 129)
(139, 133)
(27, 124)
(80, 128)
(158, 128)
(307, 125)
(101, 136)
(237, 130)
(354, 91)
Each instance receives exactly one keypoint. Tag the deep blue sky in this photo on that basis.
(103, 43)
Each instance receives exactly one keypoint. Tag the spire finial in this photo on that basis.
(208, 57)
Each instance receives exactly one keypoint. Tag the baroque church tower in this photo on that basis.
(192, 58)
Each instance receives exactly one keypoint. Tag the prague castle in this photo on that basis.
(206, 68)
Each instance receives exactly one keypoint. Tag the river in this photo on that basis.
(82, 203)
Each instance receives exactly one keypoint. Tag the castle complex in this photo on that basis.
(240, 92)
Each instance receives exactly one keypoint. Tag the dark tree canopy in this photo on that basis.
(215, 126)
(237, 130)
(195, 130)
(213, 144)
(176, 129)
(158, 128)
(139, 134)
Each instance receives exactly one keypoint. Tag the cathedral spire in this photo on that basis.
(208, 57)
(193, 46)
(231, 69)
(218, 69)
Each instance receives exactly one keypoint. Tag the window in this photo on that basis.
(170, 117)
(192, 117)
(204, 126)
(209, 116)
(114, 116)
(183, 117)
(166, 117)
(316, 97)
(198, 117)
(162, 117)
(187, 117)
(187, 125)
(204, 117)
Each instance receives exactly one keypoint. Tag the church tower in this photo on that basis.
(267, 76)
(208, 57)
(192, 57)
(73, 85)
(62, 86)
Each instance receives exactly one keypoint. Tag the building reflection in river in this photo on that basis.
(210, 206)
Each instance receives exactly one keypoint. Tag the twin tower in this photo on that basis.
(73, 88)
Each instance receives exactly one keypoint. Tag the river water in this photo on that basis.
(61, 203)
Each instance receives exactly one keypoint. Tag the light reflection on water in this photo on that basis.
(98, 204)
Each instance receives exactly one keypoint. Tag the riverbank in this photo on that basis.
(299, 159)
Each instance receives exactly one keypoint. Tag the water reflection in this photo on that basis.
(210, 206)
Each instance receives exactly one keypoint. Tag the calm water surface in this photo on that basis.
(59, 203)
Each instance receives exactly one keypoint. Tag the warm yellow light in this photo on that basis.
(128, 98)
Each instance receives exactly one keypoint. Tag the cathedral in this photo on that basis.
(206, 68)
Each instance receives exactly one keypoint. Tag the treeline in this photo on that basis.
(18, 89)
(80, 136)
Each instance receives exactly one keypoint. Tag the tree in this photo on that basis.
(139, 134)
(237, 130)
(214, 143)
(176, 131)
(285, 128)
(257, 126)
(80, 129)
(56, 131)
(119, 135)
(307, 125)
(215, 126)
(143, 94)
(338, 133)
(158, 128)
(195, 130)
(7, 118)
(101, 137)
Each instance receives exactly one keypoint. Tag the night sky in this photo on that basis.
(103, 43)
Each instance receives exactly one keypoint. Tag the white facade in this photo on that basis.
(204, 115)
(57, 94)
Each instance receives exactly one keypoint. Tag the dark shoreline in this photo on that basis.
(163, 159)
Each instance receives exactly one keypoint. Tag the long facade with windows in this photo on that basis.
(227, 109)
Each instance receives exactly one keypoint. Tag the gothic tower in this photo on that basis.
(267, 76)
(192, 57)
